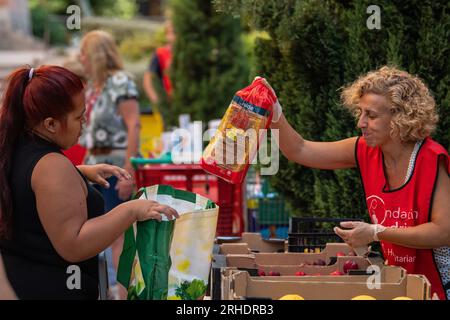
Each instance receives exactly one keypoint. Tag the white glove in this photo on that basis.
(277, 109)
(361, 233)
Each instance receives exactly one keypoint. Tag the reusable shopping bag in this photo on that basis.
(170, 259)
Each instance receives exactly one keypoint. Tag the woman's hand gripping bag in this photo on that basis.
(236, 141)
(170, 259)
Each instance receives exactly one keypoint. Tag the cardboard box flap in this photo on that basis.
(418, 287)
(295, 258)
(290, 270)
(392, 274)
(257, 244)
(238, 285)
(234, 248)
(289, 263)
(241, 260)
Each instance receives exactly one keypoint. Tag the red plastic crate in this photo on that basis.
(76, 154)
(225, 221)
(192, 177)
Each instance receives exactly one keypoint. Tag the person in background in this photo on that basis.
(77, 153)
(52, 221)
(159, 69)
(405, 174)
(113, 122)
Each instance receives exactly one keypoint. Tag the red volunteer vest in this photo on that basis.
(407, 206)
(164, 55)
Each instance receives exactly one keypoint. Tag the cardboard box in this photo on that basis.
(285, 269)
(289, 260)
(284, 263)
(387, 274)
(251, 242)
(393, 282)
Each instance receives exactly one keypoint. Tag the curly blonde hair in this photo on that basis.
(412, 105)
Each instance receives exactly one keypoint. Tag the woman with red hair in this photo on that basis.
(52, 225)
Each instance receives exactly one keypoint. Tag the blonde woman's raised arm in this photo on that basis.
(320, 155)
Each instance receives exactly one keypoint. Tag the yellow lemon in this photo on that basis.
(363, 297)
(292, 297)
(402, 298)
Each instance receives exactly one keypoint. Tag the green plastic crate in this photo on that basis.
(272, 211)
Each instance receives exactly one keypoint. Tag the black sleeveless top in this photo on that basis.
(34, 268)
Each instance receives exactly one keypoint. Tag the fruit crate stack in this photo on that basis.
(394, 284)
(310, 234)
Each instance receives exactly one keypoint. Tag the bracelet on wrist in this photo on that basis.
(377, 229)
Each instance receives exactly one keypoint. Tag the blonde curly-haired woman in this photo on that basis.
(404, 172)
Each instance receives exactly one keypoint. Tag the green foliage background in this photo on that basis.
(48, 16)
(107, 8)
(315, 48)
(209, 63)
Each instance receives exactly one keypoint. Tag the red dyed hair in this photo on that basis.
(27, 102)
